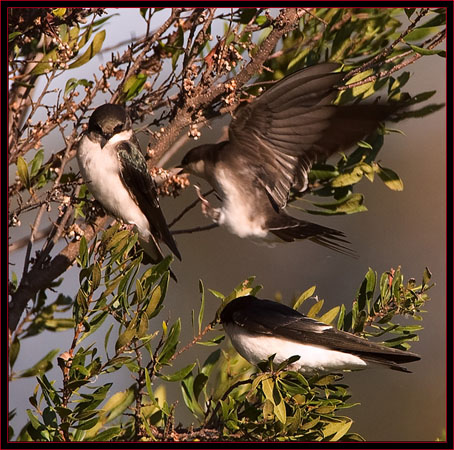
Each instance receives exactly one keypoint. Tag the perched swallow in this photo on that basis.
(273, 142)
(259, 329)
(116, 174)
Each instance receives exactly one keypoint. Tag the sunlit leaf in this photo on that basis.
(92, 50)
(390, 178)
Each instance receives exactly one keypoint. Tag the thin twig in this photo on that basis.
(196, 229)
(196, 339)
(189, 207)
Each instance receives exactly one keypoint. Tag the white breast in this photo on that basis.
(236, 211)
(100, 169)
(256, 348)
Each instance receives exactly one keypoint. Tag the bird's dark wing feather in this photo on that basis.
(294, 123)
(271, 318)
(280, 128)
(142, 187)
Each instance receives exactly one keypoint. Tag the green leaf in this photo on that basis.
(125, 338)
(13, 35)
(340, 319)
(360, 76)
(171, 343)
(118, 402)
(339, 429)
(59, 12)
(202, 306)
(94, 323)
(14, 351)
(279, 406)
(303, 297)
(210, 362)
(134, 85)
(267, 387)
(157, 297)
(390, 178)
(217, 294)
(409, 11)
(427, 275)
(83, 252)
(72, 83)
(46, 63)
(92, 50)
(43, 365)
(350, 204)
(96, 276)
(323, 171)
(22, 171)
(420, 33)
(329, 316)
(107, 435)
(315, 309)
(426, 51)
(347, 179)
(179, 375)
(36, 163)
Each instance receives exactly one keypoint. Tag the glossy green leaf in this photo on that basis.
(180, 374)
(346, 179)
(202, 305)
(134, 85)
(329, 316)
(22, 171)
(36, 163)
(349, 204)
(426, 51)
(420, 33)
(107, 435)
(427, 275)
(59, 12)
(315, 309)
(125, 338)
(279, 406)
(303, 297)
(171, 343)
(46, 63)
(390, 178)
(14, 351)
(92, 50)
(338, 429)
(118, 403)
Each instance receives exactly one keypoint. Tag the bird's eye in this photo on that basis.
(118, 128)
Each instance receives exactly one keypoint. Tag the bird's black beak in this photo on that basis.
(180, 170)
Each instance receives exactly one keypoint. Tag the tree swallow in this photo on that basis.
(115, 171)
(273, 142)
(259, 329)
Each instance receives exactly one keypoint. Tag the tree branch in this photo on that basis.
(41, 277)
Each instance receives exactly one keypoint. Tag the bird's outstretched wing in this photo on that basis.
(294, 123)
(142, 187)
(271, 318)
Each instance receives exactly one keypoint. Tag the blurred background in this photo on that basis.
(406, 229)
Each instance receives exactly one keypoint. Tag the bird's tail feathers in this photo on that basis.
(290, 229)
(393, 362)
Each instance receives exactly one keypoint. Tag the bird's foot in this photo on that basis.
(207, 209)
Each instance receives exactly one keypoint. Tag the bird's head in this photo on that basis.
(106, 121)
(199, 160)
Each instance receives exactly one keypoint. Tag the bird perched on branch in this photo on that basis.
(115, 171)
(260, 329)
(273, 142)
